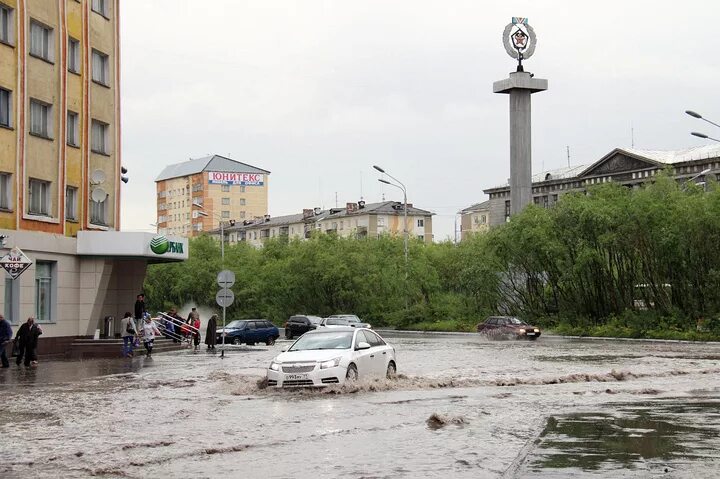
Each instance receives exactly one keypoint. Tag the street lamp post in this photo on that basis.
(401, 186)
(700, 117)
(222, 262)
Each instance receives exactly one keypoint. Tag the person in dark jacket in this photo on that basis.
(5, 339)
(211, 332)
(27, 338)
(140, 306)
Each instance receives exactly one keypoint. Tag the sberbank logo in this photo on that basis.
(160, 245)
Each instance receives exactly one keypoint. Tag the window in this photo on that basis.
(73, 58)
(6, 24)
(72, 128)
(41, 41)
(100, 6)
(99, 137)
(39, 197)
(5, 190)
(421, 223)
(71, 203)
(100, 66)
(98, 212)
(43, 291)
(225, 214)
(40, 118)
(380, 221)
(242, 201)
(224, 188)
(5, 107)
(226, 201)
(12, 299)
(507, 210)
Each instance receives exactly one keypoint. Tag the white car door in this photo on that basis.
(378, 353)
(362, 358)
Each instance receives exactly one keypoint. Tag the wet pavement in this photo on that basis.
(462, 407)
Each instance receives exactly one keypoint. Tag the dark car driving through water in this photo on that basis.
(507, 327)
(249, 331)
(300, 324)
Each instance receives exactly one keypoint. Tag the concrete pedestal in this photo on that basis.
(520, 86)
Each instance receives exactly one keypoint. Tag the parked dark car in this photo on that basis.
(249, 331)
(300, 324)
(508, 327)
(349, 320)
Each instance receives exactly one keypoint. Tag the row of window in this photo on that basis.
(39, 201)
(45, 283)
(42, 124)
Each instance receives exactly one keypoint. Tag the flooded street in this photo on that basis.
(462, 407)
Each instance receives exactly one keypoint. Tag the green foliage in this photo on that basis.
(615, 261)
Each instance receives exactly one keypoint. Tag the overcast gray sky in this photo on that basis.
(319, 91)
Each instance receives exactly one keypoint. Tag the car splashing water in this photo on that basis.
(461, 406)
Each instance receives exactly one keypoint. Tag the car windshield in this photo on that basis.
(339, 340)
(237, 324)
(336, 322)
(515, 321)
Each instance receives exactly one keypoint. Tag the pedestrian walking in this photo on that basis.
(196, 331)
(27, 338)
(5, 339)
(149, 331)
(140, 306)
(211, 332)
(129, 333)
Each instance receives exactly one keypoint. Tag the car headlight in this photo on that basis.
(537, 330)
(522, 330)
(275, 366)
(330, 364)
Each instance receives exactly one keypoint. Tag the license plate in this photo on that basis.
(295, 377)
(531, 334)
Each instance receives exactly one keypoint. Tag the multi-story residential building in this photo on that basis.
(626, 166)
(60, 171)
(194, 196)
(356, 219)
(474, 219)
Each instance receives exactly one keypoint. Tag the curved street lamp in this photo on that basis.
(400, 186)
(697, 115)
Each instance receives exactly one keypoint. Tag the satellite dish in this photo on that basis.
(98, 195)
(97, 177)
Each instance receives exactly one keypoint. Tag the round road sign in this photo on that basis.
(225, 297)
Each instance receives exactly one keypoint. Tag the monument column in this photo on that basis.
(519, 40)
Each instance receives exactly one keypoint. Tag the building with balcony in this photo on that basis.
(60, 170)
(626, 166)
(361, 220)
(195, 195)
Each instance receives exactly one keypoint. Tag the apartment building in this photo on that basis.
(361, 220)
(195, 195)
(629, 167)
(60, 169)
(474, 219)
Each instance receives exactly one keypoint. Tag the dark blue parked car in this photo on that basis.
(249, 331)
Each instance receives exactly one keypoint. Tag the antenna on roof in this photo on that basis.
(632, 135)
(336, 203)
(568, 153)
(361, 192)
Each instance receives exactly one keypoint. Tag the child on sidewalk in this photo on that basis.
(149, 331)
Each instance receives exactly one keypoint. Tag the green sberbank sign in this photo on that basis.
(161, 245)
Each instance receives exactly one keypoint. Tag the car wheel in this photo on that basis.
(270, 341)
(236, 341)
(288, 333)
(391, 370)
(352, 373)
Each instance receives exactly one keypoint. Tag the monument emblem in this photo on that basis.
(519, 40)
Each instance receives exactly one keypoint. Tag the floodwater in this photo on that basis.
(462, 407)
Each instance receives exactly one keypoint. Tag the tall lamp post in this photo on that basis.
(700, 117)
(400, 186)
(222, 261)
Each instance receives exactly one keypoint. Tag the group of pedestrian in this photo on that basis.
(24, 346)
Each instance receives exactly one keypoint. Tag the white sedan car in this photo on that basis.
(332, 356)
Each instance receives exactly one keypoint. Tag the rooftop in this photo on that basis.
(207, 163)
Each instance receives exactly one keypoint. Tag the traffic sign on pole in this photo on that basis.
(225, 278)
(225, 297)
